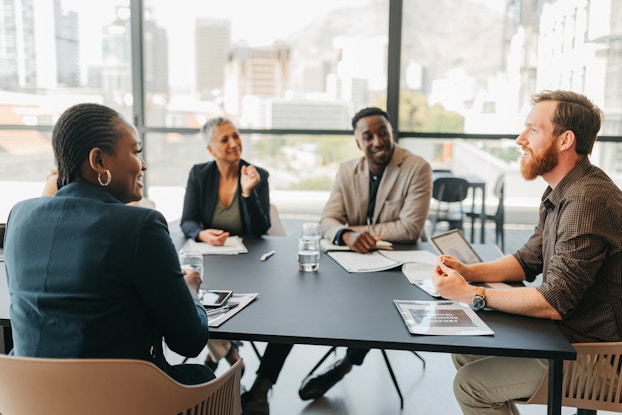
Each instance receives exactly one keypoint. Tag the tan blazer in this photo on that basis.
(402, 202)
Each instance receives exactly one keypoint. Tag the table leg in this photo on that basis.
(556, 367)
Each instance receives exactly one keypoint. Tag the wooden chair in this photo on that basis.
(110, 386)
(592, 382)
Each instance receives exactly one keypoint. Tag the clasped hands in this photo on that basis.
(449, 281)
(361, 242)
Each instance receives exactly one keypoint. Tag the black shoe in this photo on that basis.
(316, 386)
(251, 406)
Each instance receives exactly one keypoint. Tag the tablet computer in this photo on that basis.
(455, 244)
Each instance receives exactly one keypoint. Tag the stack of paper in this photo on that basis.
(233, 246)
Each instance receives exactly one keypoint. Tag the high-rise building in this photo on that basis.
(67, 39)
(18, 66)
(212, 45)
(261, 72)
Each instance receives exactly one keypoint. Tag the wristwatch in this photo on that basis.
(479, 299)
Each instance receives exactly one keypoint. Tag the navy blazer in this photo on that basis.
(202, 197)
(90, 277)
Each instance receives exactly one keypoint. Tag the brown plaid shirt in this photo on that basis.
(577, 246)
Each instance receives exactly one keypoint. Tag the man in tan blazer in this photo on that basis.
(401, 181)
(384, 195)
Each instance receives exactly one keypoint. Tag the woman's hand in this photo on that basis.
(193, 280)
(249, 177)
(216, 237)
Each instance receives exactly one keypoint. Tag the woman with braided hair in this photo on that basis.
(89, 276)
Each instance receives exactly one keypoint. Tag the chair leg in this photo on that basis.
(420, 358)
(256, 350)
(397, 387)
(586, 411)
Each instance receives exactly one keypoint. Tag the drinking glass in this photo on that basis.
(310, 230)
(308, 254)
(191, 260)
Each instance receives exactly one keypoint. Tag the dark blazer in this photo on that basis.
(90, 277)
(202, 196)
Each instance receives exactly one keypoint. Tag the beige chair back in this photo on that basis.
(276, 227)
(110, 386)
(593, 381)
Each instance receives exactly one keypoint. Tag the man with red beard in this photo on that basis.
(576, 246)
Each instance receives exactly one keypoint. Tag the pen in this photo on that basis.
(267, 255)
(369, 225)
(218, 310)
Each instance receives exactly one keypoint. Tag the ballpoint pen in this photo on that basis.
(267, 255)
(369, 225)
(220, 310)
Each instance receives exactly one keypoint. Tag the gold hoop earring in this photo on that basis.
(99, 179)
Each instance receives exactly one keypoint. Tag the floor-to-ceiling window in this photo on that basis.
(456, 76)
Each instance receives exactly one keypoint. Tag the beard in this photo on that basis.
(541, 163)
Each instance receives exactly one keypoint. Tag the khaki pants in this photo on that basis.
(486, 385)
(218, 348)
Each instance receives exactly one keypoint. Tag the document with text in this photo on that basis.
(233, 246)
(238, 301)
(444, 318)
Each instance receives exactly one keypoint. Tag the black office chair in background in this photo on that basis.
(499, 216)
(449, 193)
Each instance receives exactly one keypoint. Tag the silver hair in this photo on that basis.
(208, 127)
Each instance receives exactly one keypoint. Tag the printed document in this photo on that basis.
(239, 300)
(233, 246)
(444, 318)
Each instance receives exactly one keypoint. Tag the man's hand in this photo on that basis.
(361, 242)
(449, 284)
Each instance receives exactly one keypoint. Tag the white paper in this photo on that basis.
(242, 300)
(420, 274)
(356, 262)
(441, 318)
(420, 255)
(233, 246)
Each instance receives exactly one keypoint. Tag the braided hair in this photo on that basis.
(79, 129)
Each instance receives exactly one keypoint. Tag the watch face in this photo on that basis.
(478, 302)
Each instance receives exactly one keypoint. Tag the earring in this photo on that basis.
(99, 179)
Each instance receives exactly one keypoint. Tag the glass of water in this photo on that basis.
(310, 230)
(308, 254)
(191, 260)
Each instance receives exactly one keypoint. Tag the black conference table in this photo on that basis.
(336, 308)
